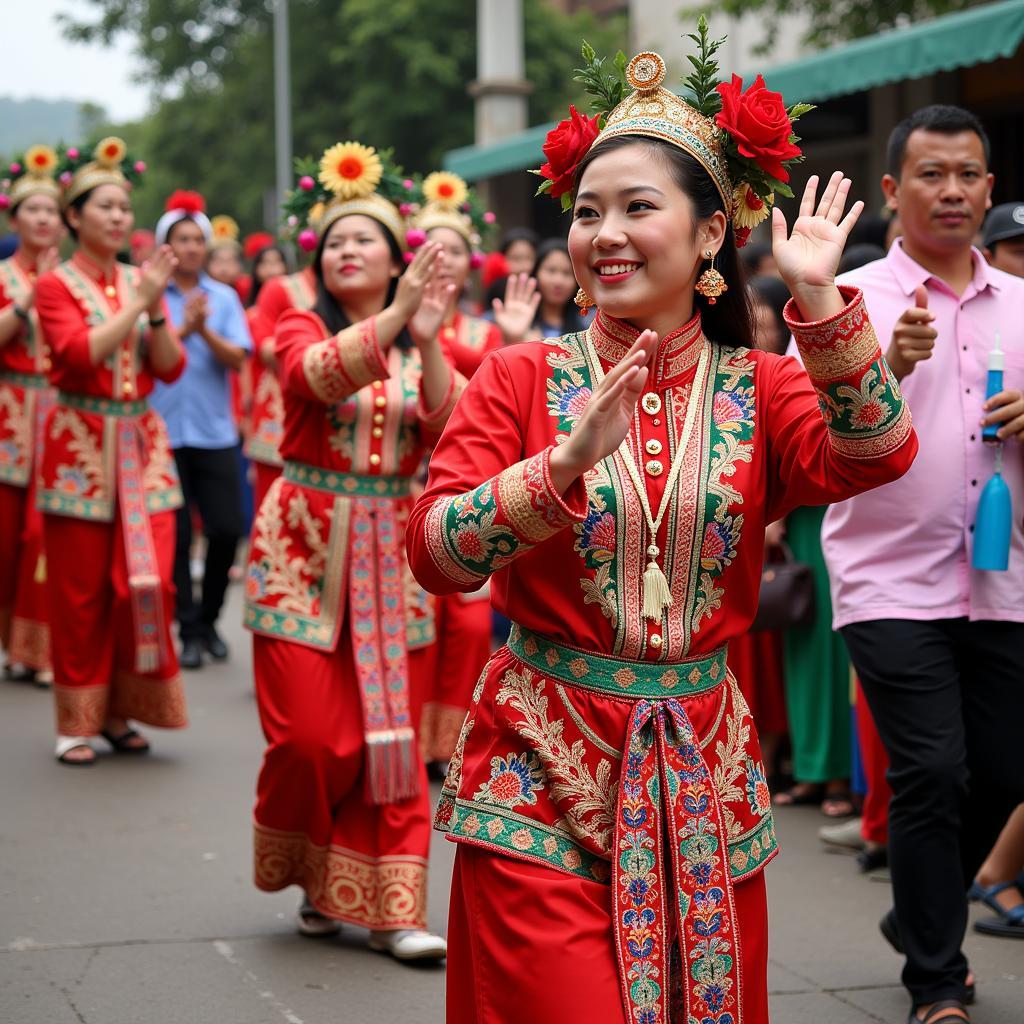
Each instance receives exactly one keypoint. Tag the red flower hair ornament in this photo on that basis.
(186, 201)
(566, 145)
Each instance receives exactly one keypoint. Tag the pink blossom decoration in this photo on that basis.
(15, 168)
(306, 183)
(415, 237)
(292, 220)
(140, 166)
(476, 261)
(5, 201)
(72, 153)
(405, 209)
(490, 217)
(408, 184)
(408, 257)
(65, 178)
(307, 240)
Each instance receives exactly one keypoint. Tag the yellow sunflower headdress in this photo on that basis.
(224, 232)
(349, 178)
(109, 164)
(448, 202)
(32, 174)
(743, 139)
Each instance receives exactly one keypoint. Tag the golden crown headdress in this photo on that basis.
(448, 202)
(349, 178)
(109, 164)
(743, 139)
(32, 174)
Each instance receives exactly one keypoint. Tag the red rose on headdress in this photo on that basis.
(758, 121)
(565, 146)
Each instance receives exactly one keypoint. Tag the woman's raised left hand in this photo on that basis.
(429, 316)
(808, 259)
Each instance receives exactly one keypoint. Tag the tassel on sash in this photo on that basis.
(656, 594)
(144, 583)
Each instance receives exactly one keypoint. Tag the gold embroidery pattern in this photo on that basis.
(379, 893)
(838, 347)
(528, 500)
(15, 436)
(83, 710)
(29, 643)
(590, 799)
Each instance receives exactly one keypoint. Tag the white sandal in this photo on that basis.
(65, 744)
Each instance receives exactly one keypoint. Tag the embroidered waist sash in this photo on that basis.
(670, 875)
(144, 585)
(377, 621)
(36, 381)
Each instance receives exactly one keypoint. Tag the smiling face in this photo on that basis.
(943, 190)
(37, 222)
(456, 257)
(104, 221)
(635, 242)
(555, 279)
(356, 262)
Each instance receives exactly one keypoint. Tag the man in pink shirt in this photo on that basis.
(939, 646)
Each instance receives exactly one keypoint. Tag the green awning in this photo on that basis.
(976, 36)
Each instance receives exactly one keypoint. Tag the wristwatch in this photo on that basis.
(157, 321)
(21, 314)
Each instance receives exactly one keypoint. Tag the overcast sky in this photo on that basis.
(38, 62)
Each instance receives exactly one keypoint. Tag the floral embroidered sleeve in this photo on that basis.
(838, 425)
(327, 368)
(63, 324)
(462, 529)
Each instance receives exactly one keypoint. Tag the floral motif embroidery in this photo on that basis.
(719, 547)
(514, 780)
(596, 543)
(758, 795)
(71, 481)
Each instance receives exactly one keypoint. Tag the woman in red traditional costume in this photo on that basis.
(342, 806)
(607, 793)
(32, 202)
(108, 487)
(453, 218)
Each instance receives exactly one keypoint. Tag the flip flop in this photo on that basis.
(65, 744)
(841, 805)
(122, 744)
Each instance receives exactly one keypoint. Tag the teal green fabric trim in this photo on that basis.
(102, 406)
(78, 508)
(350, 485)
(616, 676)
(750, 853)
(288, 626)
(37, 381)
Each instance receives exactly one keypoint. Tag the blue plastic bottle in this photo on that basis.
(993, 386)
(992, 530)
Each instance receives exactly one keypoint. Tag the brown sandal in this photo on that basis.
(937, 1014)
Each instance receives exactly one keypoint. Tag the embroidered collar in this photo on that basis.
(677, 353)
(93, 270)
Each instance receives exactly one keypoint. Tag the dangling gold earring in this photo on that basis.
(711, 284)
(584, 301)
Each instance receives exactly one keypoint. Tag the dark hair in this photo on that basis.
(859, 255)
(181, 220)
(76, 204)
(729, 321)
(772, 292)
(571, 321)
(945, 120)
(518, 235)
(257, 284)
(751, 255)
(327, 306)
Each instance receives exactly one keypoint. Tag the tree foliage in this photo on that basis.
(833, 21)
(391, 74)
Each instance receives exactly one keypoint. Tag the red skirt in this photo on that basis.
(528, 943)
(358, 862)
(30, 619)
(93, 644)
(452, 666)
(13, 505)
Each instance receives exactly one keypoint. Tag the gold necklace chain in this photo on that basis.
(656, 594)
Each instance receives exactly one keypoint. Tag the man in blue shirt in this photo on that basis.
(197, 407)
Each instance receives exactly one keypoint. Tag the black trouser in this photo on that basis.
(211, 482)
(948, 699)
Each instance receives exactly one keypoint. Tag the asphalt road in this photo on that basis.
(126, 896)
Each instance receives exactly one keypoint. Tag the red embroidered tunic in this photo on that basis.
(592, 709)
(279, 294)
(355, 433)
(24, 363)
(470, 340)
(79, 468)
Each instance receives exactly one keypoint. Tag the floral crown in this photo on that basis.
(109, 163)
(744, 140)
(30, 174)
(349, 178)
(448, 202)
(224, 232)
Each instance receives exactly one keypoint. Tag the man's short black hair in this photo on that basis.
(940, 118)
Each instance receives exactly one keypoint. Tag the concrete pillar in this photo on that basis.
(500, 89)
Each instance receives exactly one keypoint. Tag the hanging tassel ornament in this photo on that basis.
(656, 597)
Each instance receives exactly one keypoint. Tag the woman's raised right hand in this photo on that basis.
(411, 285)
(156, 272)
(605, 421)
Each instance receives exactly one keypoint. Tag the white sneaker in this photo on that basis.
(311, 922)
(409, 944)
(846, 835)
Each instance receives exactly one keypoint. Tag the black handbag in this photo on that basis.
(786, 598)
